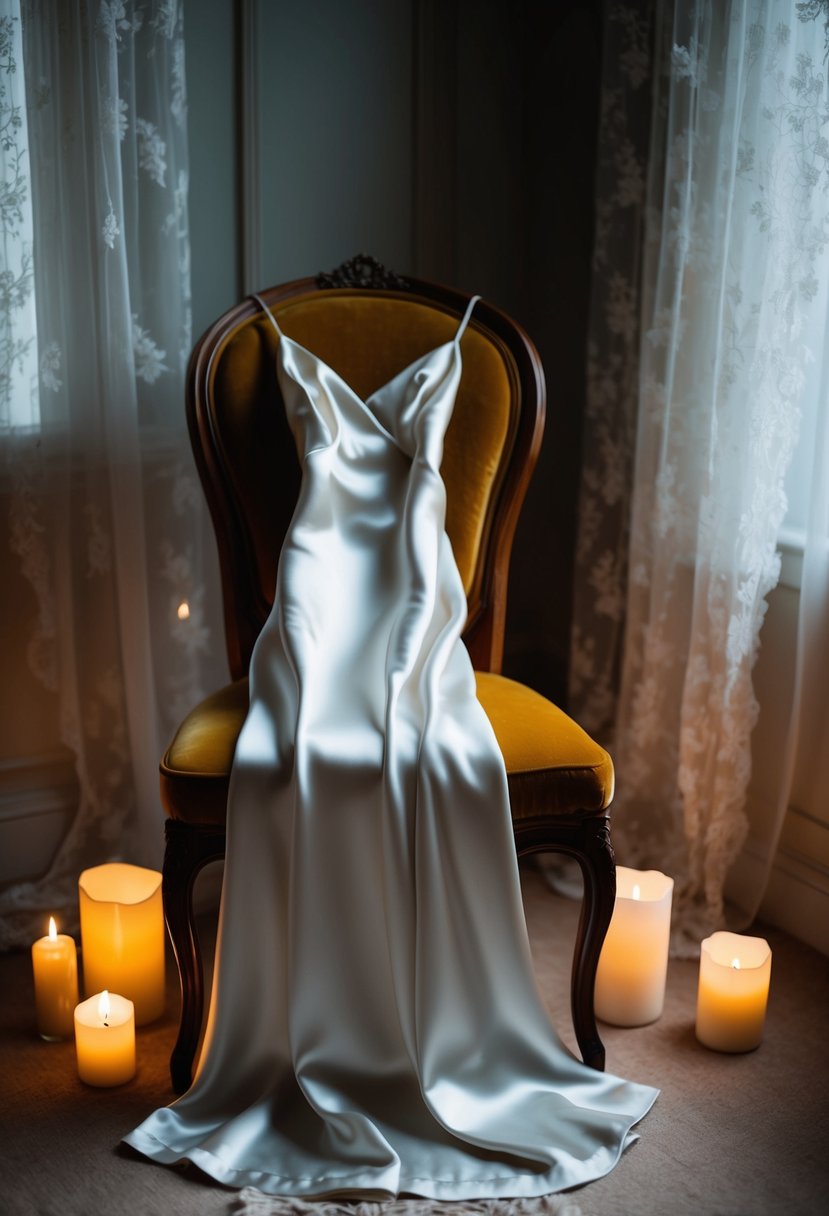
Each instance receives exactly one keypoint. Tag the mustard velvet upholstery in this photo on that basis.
(537, 738)
(534, 735)
(560, 780)
(195, 768)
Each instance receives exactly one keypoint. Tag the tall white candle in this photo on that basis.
(55, 968)
(734, 975)
(105, 1039)
(630, 981)
(122, 935)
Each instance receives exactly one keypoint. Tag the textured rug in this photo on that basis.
(251, 1202)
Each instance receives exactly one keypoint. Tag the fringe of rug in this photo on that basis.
(251, 1202)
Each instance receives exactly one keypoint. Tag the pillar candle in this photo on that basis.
(630, 981)
(122, 935)
(55, 968)
(734, 974)
(105, 1039)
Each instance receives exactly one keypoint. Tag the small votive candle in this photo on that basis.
(122, 935)
(734, 975)
(105, 1039)
(633, 965)
(55, 968)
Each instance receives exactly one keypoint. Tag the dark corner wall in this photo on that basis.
(451, 139)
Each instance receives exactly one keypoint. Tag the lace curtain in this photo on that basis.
(106, 512)
(612, 399)
(732, 307)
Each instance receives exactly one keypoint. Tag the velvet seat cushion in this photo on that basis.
(537, 740)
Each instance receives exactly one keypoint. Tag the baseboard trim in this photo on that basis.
(38, 801)
(796, 897)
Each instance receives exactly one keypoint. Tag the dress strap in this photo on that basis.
(466, 316)
(264, 306)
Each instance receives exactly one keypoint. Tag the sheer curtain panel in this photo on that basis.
(733, 309)
(612, 398)
(106, 515)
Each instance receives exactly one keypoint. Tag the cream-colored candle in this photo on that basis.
(122, 935)
(105, 1039)
(630, 981)
(55, 967)
(734, 974)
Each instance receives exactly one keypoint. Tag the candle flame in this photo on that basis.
(735, 963)
(53, 931)
(183, 611)
(103, 1007)
(637, 894)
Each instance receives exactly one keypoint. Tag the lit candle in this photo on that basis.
(55, 967)
(105, 1039)
(122, 935)
(630, 980)
(734, 974)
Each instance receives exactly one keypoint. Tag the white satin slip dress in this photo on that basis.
(375, 1025)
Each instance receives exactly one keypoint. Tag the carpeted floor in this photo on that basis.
(729, 1136)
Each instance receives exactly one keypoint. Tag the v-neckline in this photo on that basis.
(364, 401)
(410, 367)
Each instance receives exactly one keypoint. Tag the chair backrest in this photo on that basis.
(247, 460)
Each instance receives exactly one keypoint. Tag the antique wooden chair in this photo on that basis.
(369, 325)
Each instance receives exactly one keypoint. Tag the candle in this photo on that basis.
(630, 980)
(734, 974)
(122, 935)
(55, 967)
(105, 1039)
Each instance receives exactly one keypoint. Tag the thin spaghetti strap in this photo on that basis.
(466, 316)
(264, 306)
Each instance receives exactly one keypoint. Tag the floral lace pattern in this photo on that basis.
(737, 244)
(107, 523)
(18, 349)
(612, 368)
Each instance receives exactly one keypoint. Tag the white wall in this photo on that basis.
(210, 65)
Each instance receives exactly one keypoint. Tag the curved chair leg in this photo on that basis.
(598, 869)
(189, 848)
(587, 839)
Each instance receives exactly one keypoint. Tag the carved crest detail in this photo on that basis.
(362, 271)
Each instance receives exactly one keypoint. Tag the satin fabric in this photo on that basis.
(374, 1024)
